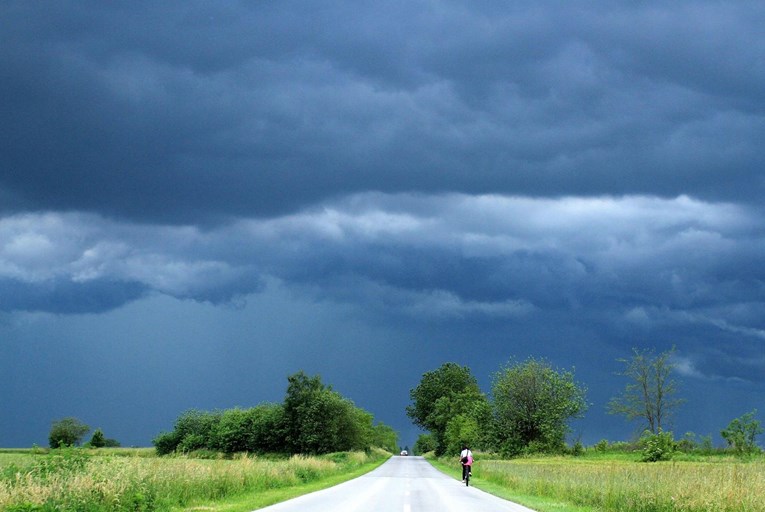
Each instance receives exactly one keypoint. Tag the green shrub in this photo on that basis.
(166, 442)
(657, 447)
(141, 502)
(30, 507)
(61, 461)
(624, 446)
(98, 440)
(577, 450)
(706, 447)
(688, 443)
(337, 457)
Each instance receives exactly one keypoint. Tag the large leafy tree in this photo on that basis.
(442, 395)
(67, 432)
(651, 393)
(320, 420)
(533, 403)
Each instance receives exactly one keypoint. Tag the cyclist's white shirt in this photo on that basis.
(466, 453)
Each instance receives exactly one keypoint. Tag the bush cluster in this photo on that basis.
(254, 430)
(656, 447)
(314, 419)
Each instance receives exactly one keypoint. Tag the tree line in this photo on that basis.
(531, 404)
(313, 419)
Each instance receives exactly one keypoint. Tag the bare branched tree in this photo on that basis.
(651, 393)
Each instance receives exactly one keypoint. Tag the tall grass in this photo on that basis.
(75, 480)
(625, 486)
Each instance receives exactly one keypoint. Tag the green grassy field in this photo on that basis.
(618, 482)
(137, 480)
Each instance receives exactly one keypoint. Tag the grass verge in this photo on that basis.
(260, 499)
(538, 503)
(77, 479)
(617, 484)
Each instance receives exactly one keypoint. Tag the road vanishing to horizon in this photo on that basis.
(402, 484)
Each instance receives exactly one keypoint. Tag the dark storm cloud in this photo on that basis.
(375, 187)
(81, 263)
(66, 296)
(630, 251)
(181, 112)
(689, 269)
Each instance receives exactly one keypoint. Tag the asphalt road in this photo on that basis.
(402, 484)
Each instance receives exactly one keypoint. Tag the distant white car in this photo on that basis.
(404, 453)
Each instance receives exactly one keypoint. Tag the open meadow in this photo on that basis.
(138, 480)
(620, 483)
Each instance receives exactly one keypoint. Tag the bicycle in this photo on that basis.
(466, 458)
(467, 469)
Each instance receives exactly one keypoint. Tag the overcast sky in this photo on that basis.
(198, 199)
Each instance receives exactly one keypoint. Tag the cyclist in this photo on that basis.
(466, 458)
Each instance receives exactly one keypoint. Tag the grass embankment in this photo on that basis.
(117, 480)
(622, 484)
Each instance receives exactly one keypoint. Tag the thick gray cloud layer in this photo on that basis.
(635, 260)
(571, 251)
(185, 112)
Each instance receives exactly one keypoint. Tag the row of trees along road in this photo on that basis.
(531, 404)
(313, 419)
